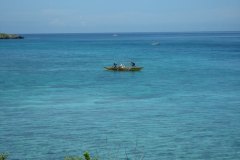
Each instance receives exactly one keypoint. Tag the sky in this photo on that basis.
(93, 16)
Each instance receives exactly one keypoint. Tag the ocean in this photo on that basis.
(57, 100)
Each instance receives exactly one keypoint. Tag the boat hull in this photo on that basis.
(123, 68)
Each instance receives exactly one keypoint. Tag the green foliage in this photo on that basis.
(3, 156)
(86, 156)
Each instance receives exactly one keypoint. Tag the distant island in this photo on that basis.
(10, 36)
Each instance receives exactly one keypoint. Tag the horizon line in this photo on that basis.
(129, 32)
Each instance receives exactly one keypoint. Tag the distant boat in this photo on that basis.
(156, 43)
(112, 68)
(115, 35)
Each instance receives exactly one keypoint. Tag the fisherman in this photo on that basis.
(122, 66)
(114, 65)
(132, 64)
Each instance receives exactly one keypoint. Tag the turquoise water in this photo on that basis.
(57, 100)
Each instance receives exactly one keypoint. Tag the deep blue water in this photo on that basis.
(57, 100)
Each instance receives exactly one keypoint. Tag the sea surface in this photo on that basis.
(57, 100)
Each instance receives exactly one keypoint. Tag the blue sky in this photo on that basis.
(83, 16)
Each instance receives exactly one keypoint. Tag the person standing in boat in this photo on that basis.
(133, 64)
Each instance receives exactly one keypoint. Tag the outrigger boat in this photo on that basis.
(113, 68)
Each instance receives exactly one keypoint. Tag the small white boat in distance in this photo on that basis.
(155, 43)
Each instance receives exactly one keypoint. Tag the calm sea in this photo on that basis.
(56, 99)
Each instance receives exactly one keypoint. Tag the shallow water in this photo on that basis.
(57, 100)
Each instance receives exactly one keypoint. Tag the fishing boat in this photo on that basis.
(112, 68)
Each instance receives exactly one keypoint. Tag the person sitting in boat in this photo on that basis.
(121, 66)
(133, 64)
(115, 65)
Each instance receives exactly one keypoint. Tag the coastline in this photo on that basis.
(10, 36)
